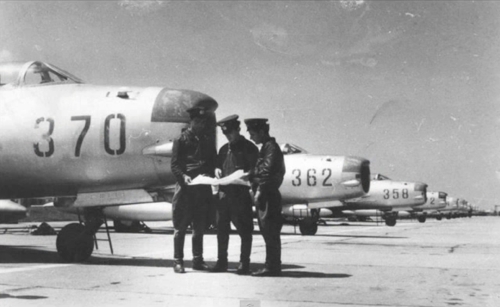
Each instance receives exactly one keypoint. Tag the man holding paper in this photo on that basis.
(235, 203)
(193, 155)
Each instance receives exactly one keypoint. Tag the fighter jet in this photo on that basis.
(317, 181)
(11, 212)
(97, 148)
(455, 207)
(435, 201)
(104, 151)
(385, 198)
(389, 197)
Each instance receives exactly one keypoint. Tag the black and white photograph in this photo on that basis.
(250, 153)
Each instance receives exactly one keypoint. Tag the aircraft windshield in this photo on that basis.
(33, 73)
(380, 177)
(290, 149)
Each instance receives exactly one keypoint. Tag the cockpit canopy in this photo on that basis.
(32, 74)
(380, 177)
(290, 149)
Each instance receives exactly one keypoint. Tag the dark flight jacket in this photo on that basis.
(243, 155)
(270, 169)
(193, 156)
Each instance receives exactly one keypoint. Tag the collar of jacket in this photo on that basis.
(267, 140)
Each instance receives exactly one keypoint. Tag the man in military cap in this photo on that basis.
(235, 201)
(266, 178)
(193, 153)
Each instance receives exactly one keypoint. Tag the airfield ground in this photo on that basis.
(447, 263)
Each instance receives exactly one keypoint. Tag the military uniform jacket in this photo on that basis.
(193, 156)
(242, 154)
(270, 167)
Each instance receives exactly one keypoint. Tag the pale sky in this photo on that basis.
(413, 86)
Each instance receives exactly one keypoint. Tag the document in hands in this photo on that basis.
(238, 177)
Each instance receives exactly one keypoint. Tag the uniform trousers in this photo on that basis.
(190, 207)
(268, 207)
(235, 205)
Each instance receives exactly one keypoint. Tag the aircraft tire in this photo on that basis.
(439, 218)
(421, 219)
(390, 222)
(74, 243)
(308, 227)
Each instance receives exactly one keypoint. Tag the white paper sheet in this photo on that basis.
(234, 178)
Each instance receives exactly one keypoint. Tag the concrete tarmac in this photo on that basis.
(438, 263)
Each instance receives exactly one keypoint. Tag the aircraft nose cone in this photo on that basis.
(420, 187)
(197, 99)
(171, 105)
(361, 167)
(443, 195)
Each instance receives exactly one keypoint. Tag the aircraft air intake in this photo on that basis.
(171, 105)
(361, 167)
(442, 195)
(422, 187)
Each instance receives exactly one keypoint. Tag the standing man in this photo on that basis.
(193, 154)
(266, 178)
(235, 201)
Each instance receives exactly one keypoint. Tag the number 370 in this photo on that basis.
(86, 119)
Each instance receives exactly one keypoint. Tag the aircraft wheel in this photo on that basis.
(439, 218)
(127, 226)
(74, 243)
(421, 219)
(308, 227)
(390, 221)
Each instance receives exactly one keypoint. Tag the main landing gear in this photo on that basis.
(75, 241)
(390, 218)
(309, 225)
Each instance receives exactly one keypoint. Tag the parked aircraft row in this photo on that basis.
(104, 152)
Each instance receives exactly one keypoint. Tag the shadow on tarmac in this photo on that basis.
(32, 254)
(27, 254)
(301, 274)
(22, 297)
